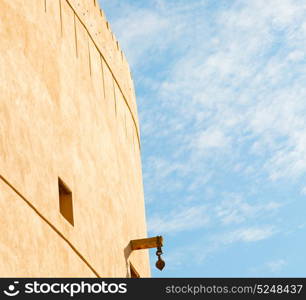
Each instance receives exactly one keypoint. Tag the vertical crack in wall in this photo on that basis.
(103, 81)
(125, 124)
(107, 63)
(75, 36)
(115, 98)
(89, 58)
(61, 16)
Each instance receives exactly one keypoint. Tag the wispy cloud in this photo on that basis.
(230, 83)
(276, 265)
(234, 209)
(303, 190)
(141, 31)
(202, 249)
(211, 139)
(221, 95)
(252, 234)
(179, 220)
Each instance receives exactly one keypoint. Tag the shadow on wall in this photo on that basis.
(127, 252)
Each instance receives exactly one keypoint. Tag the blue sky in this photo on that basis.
(221, 93)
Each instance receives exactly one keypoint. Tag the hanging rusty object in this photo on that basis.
(155, 242)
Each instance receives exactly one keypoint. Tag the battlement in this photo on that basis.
(93, 18)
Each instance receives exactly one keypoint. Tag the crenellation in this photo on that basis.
(111, 54)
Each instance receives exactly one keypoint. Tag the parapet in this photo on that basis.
(93, 19)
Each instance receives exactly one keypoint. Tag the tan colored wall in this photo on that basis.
(68, 110)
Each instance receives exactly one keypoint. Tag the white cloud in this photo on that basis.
(162, 168)
(140, 32)
(276, 266)
(239, 89)
(234, 209)
(230, 80)
(202, 249)
(158, 175)
(303, 190)
(251, 234)
(179, 220)
(211, 138)
(296, 55)
(223, 86)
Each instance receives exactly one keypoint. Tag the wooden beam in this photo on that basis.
(147, 243)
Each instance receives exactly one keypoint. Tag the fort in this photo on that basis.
(71, 192)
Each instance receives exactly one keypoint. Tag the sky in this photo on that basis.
(221, 95)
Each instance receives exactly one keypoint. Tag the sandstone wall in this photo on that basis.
(67, 110)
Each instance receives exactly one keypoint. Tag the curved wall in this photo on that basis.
(68, 111)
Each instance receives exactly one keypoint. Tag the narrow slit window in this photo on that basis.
(65, 201)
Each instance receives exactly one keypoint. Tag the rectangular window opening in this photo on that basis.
(65, 201)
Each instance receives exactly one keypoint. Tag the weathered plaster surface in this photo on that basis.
(67, 110)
